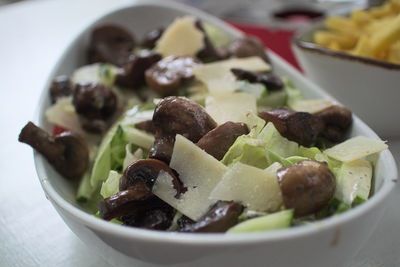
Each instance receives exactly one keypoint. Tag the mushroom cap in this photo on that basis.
(300, 127)
(222, 216)
(247, 47)
(146, 171)
(179, 115)
(111, 44)
(337, 121)
(75, 159)
(218, 141)
(168, 74)
(68, 153)
(307, 186)
(132, 75)
(269, 80)
(94, 100)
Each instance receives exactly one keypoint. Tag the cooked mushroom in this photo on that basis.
(222, 216)
(111, 44)
(269, 80)
(132, 75)
(178, 115)
(146, 171)
(157, 216)
(247, 47)
(150, 39)
(95, 103)
(218, 141)
(125, 202)
(209, 52)
(168, 74)
(307, 186)
(60, 87)
(300, 127)
(68, 153)
(146, 126)
(135, 203)
(337, 121)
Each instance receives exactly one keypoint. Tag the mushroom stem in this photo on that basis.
(41, 141)
(67, 153)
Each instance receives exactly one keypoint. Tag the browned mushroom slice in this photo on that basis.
(156, 216)
(300, 127)
(269, 80)
(178, 115)
(146, 126)
(94, 103)
(222, 216)
(135, 203)
(146, 171)
(125, 202)
(307, 186)
(150, 39)
(133, 72)
(111, 44)
(247, 47)
(168, 74)
(66, 152)
(337, 121)
(60, 87)
(209, 52)
(218, 141)
(162, 148)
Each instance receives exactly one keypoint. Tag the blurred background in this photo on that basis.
(273, 21)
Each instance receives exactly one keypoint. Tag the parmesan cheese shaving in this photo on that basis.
(181, 38)
(256, 188)
(355, 148)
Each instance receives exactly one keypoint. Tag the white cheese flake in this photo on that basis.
(234, 107)
(354, 179)
(181, 38)
(355, 148)
(218, 77)
(311, 105)
(199, 173)
(256, 188)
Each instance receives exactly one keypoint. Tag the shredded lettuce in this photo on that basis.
(277, 220)
(112, 150)
(111, 185)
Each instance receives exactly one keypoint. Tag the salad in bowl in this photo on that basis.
(188, 130)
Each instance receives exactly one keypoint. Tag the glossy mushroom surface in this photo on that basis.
(178, 115)
(222, 216)
(132, 75)
(306, 186)
(167, 75)
(269, 80)
(300, 127)
(95, 103)
(67, 152)
(337, 120)
(218, 141)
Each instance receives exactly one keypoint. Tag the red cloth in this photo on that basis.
(276, 40)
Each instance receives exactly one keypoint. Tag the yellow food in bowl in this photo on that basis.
(372, 33)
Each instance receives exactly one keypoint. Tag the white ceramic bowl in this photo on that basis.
(329, 242)
(371, 88)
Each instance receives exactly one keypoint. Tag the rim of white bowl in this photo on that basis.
(193, 239)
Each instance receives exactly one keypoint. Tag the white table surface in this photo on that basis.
(33, 34)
